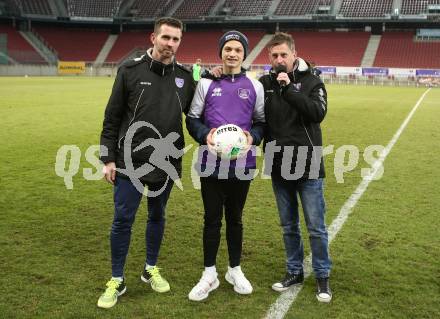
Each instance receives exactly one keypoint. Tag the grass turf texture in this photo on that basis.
(55, 256)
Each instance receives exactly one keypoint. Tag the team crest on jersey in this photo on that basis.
(217, 92)
(179, 82)
(244, 93)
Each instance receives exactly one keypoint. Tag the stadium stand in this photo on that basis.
(200, 44)
(74, 44)
(395, 49)
(299, 7)
(366, 8)
(204, 45)
(150, 9)
(39, 7)
(194, 9)
(126, 42)
(87, 8)
(197, 44)
(247, 8)
(18, 48)
(414, 7)
(9, 7)
(399, 50)
(327, 48)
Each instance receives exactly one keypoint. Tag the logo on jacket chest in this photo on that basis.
(217, 92)
(297, 86)
(244, 93)
(179, 82)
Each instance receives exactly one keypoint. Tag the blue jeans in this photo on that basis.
(312, 200)
(127, 200)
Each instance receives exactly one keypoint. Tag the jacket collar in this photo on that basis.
(233, 76)
(156, 66)
(300, 66)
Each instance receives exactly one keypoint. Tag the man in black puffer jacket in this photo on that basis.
(142, 142)
(295, 105)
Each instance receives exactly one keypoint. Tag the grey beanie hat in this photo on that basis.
(234, 35)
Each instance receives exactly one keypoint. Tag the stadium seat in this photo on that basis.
(399, 50)
(247, 8)
(87, 8)
(366, 8)
(150, 9)
(39, 7)
(299, 7)
(18, 48)
(74, 44)
(194, 9)
(204, 45)
(327, 48)
(196, 44)
(413, 7)
(10, 7)
(126, 43)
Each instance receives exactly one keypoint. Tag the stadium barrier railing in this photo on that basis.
(430, 78)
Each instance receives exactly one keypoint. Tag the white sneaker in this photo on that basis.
(207, 283)
(236, 278)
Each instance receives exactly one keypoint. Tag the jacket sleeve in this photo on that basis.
(258, 119)
(312, 108)
(190, 95)
(194, 119)
(112, 119)
(206, 75)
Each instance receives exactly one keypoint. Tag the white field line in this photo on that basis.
(280, 307)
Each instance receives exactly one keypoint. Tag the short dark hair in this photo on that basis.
(280, 38)
(176, 23)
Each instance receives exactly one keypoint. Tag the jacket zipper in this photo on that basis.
(134, 115)
(180, 103)
(307, 132)
(308, 136)
(181, 108)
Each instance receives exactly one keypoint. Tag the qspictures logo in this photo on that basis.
(162, 149)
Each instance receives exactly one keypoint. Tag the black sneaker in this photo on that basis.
(323, 292)
(289, 280)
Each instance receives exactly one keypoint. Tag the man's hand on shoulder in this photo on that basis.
(213, 73)
(217, 71)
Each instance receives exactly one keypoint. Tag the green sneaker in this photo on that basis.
(114, 289)
(153, 277)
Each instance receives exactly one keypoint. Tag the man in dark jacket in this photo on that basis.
(295, 104)
(142, 142)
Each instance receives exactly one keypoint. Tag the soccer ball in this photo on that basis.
(230, 142)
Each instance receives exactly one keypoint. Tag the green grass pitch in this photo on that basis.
(55, 257)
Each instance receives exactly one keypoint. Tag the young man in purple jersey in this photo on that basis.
(236, 99)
